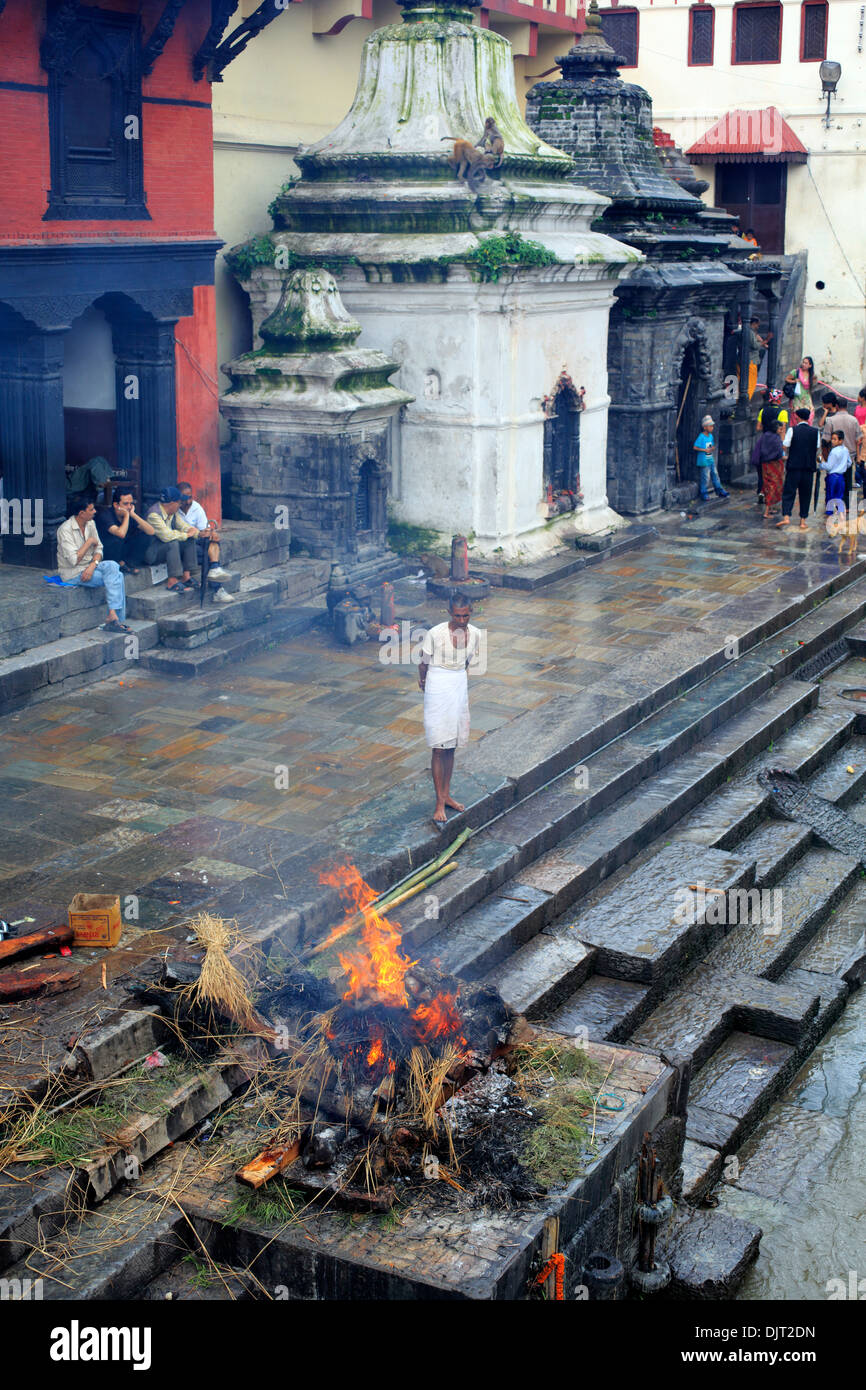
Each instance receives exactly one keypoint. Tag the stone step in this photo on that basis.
(710, 1003)
(560, 875)
(543, 973)
(806, 638)
(709, 1253)
(856, 638)
(739, 1083)
(197, 1279)
(33, 1208)
(230, 645)
(192, 628)
(724, 818)
(801, 902)
(588, 550)
(839, 946)
(638, 932)
(843, 778)
(736, 1087)
(57, 668)
(611, 839)
(113, 1252)
(602, 1009)
(647, 927)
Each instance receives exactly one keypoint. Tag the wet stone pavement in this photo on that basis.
(227, 792)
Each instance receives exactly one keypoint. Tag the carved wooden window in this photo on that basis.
(94, 114)
(757, 33)
(702, 23)
(620, 28)
(813, 39)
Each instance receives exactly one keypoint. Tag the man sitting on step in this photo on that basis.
(123, 533)
(79, 560)
(173, 541)
(208, 539)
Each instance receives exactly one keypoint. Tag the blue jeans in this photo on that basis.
(107, 576)
(708, 473)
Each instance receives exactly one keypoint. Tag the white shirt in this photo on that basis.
(70, 539)
(196, 516)
(438, 648)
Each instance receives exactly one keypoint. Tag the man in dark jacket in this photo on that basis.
(802, 442)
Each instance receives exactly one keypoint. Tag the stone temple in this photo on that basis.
(491, 291)
(668, 324)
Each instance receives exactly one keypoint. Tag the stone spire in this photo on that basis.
(591, 54)
(605, 124)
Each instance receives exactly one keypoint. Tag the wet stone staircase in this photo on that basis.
(596, 824)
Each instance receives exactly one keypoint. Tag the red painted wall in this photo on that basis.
(178, 181)
(197, 398)
(177, 140)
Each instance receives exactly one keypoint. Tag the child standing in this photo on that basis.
(836, 466)
(704, 447)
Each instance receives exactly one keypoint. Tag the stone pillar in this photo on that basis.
(146, 412)
(32, 441)
(773, 349)
(745, 342)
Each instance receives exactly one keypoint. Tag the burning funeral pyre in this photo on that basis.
(386, 1073)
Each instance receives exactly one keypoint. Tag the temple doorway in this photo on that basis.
(562, 439)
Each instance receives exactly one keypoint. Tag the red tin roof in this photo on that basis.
(762, 135)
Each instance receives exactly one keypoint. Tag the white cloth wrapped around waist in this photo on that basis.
(446, 708)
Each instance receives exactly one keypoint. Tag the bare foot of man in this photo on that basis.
(454, 805)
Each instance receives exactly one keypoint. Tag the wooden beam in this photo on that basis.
(47, 939)
(331, 16)
(160, 35)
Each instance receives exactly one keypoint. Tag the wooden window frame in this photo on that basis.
(627, 9)
(811, 4)
(703, 9)
(131, 204)
(756, 62)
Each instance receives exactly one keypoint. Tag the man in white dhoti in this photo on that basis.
(446, 653)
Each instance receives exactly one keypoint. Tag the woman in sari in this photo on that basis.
(806, 381)
(772, 468)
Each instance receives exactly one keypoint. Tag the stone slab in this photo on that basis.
(702, 1168)
(709, 1253)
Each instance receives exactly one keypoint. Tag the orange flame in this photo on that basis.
(377, 969)
(439, 1019)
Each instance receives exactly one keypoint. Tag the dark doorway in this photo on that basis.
(755, 194)
(562, 441)
(688, 415)
(364, 497)
(89, 391)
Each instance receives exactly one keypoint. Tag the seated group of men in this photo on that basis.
(97, 547)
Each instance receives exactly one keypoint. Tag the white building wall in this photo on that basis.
(826, 206)
(290, 87)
